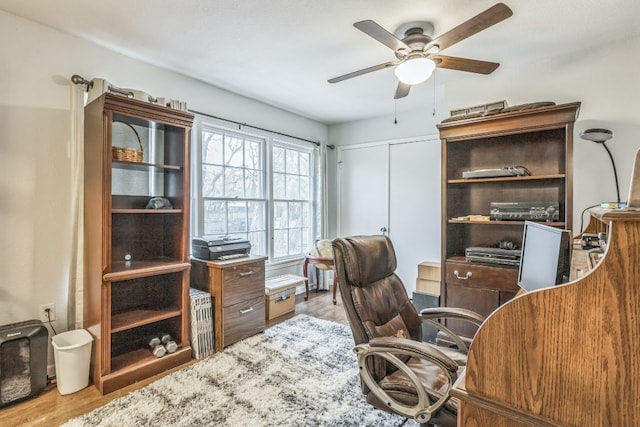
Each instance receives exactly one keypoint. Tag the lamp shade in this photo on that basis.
(414, 71)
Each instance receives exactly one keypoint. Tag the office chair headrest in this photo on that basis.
(367, 259)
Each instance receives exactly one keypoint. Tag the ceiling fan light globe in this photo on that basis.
(414, 71)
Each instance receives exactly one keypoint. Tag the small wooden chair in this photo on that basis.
(319, 263)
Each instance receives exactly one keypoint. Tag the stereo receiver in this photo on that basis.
(522, 211)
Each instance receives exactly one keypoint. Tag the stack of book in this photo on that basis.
(202, 339)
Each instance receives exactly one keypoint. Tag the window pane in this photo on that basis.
(305, 164)
(295, 241)
(233, 151)
(306, 240)
(305, 188)
(252, 155)
(293, 187)
(211, 148)
(256, 216)
(215, 217)
(295, 215)
(280, 243)
(253, 184)
(280, 215)
(237, 217)
(279, 191)
(292, 161)
(234, 182)
(306, 215)
(258, 243)
(212, 181)
(278, 159)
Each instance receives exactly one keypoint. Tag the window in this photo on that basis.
(255, 187)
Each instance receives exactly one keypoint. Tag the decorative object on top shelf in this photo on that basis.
(159, 203)
(600, 136)
(489, 108)
(97, 86)
(127, 153)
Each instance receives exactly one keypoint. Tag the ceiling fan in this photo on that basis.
(417, 53)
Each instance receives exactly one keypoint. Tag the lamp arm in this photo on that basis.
(615, 172)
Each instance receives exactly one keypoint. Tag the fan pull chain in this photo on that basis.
(395, 111)
(434, 93)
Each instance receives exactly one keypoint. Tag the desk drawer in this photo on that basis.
(481, 276)
(244, 319)
(243, 282)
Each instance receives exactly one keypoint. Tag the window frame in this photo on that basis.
(270, 141)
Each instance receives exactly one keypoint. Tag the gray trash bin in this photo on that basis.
(72, 354)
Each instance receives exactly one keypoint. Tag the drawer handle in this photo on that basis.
(247, 310)
(457, 273)
(246, 273)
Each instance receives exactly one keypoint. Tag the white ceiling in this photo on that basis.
(282, 52)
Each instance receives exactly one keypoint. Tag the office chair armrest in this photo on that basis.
(416, 348)
(452, 313)
(431, 315)
(389, 348)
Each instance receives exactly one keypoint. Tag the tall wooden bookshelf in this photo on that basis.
(136, 258)
(540, 139)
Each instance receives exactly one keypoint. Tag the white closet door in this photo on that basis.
(414, 206)
(363, 187)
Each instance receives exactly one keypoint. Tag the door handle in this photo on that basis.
(246, 273)
(383, 230)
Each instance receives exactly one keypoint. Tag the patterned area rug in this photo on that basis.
(301, 372)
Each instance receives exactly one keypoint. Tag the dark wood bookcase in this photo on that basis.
(540, 139)
(136, 258)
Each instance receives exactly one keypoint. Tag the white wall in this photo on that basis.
(36, 63)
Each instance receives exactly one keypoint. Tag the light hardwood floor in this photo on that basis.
(52, 409)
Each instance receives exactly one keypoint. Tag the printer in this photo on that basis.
(213, 247)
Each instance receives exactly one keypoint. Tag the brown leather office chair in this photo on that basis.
(399, 373)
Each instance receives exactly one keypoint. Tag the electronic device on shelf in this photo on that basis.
(524, 211)
(219, 247)
(492, 255)
(633, 200)
(497, 172)
(546, 256)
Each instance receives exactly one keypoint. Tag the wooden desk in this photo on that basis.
(567, 355)
(237, 289)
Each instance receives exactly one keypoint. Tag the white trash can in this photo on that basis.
(72, 354)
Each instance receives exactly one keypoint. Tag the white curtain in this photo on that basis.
(76, 277)
(323, 196)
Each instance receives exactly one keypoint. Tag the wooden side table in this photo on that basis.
(325, 262)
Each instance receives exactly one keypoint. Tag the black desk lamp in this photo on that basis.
(600, 136)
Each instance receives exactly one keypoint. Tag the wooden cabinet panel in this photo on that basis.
(243, 282)
(482, 301)
(476, 275)
(244, 319)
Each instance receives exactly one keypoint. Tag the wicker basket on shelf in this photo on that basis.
(128, 154)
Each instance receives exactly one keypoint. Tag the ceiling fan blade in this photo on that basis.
(402, 90)
(464, 64)
(496, 13)
(363, 71)
(374, 30)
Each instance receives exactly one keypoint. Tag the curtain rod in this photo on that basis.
(259, 128)
(79, 80)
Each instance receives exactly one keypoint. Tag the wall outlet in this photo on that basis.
(52, 312)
